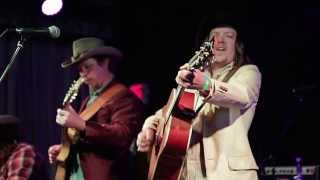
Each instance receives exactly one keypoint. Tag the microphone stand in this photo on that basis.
(13, 57)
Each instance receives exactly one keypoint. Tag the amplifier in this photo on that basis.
(289, 173)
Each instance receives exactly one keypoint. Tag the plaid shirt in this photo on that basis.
(20, 164)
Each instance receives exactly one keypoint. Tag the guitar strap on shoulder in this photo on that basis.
(101, 100)
(230, 73)
(95, 106)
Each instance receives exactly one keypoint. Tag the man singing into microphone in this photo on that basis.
(226, 95)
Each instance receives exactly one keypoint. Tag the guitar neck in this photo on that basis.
(174, 101)
(198, 60)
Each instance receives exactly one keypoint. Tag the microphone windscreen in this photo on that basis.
(54, 31)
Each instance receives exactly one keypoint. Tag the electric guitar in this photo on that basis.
(173, 134)
(67, 140)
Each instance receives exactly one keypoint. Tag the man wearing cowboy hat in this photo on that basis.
(102, 150)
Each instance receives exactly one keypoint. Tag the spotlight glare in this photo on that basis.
(51, 7)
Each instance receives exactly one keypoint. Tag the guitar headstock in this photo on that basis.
(201, 58)
(73, 91)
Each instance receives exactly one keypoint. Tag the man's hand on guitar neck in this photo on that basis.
(145, 139)
(68, 117)
(194, 79)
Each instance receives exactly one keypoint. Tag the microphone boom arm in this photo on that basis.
(13, 57)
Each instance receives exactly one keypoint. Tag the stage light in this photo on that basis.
(51, 7)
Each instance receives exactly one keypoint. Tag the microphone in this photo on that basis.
(52, 31)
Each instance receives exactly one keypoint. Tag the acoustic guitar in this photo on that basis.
(173, 134)
(67, 140)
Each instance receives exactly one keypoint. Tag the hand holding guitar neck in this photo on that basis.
(191, 74)
(68, 117)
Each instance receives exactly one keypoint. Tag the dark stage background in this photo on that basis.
(157, 37)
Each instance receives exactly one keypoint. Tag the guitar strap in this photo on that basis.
(230, 73)
(101, 100)
(95, 106)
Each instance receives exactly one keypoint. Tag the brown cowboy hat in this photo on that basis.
(84, 48)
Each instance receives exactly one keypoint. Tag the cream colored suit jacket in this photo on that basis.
(223, 124)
